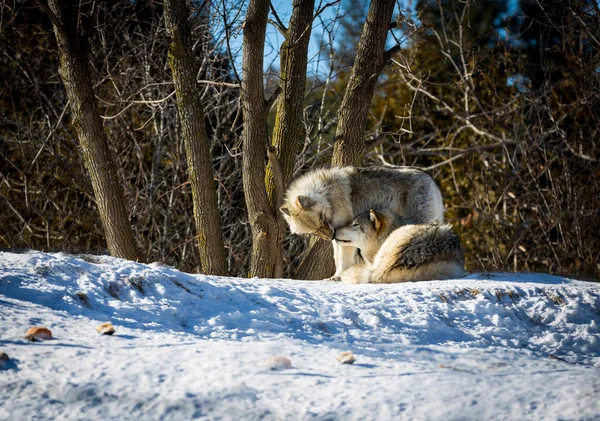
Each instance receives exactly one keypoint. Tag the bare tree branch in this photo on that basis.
(271, 100)
(55, 21)
(277, 23)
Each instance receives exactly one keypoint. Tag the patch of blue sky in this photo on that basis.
(318, 54)
(520, 82)
(328, 20)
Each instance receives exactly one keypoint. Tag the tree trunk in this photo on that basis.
(350, 146)
(318, 262)
(288, 131)
(191, 114)
(266, 258)
(71, 34)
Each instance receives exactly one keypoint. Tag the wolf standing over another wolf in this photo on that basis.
(420, 252)
(323, 200)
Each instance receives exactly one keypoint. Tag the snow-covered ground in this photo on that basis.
(489, 346)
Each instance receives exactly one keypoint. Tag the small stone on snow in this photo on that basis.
(36, 332)
(278, 363)
(106, 328)
(346, 357)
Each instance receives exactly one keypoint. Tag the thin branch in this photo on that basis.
(227, 40)
(278, 27)
(389, 54)
(93, 16)
(222, 84)
(55, 21)
(376, 141)
(468, 151)
(443, 105)
(278, 23)
(62, 114)
(131, 103)
(269, 102)
(321, 9)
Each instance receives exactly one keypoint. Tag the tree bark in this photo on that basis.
(71, 28)
(318, 262)
(197, 148)
(350, 146)
(288, 130)
(265, 261)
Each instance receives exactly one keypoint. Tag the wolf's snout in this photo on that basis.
(325, 232)
(339, 238)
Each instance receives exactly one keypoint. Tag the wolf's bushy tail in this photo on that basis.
(418, 253)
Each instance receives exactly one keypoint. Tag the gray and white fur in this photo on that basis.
(323, 200)
(420, 252)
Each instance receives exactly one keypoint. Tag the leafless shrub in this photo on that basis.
(513, 147)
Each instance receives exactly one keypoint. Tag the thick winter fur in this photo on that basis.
(323, 200)
(418, 253)
(367, 232)
(421, 252)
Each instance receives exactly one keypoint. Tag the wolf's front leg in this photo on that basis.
(343, 256)
(336, 259)
(356, 274)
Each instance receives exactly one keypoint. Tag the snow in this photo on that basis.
(488, 346)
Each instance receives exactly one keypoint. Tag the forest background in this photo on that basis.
(499, 101)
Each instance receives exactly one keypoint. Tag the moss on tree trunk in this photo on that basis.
(266, 257)
(71, 35)
(191, 115)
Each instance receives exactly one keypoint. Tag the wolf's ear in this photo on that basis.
(284, 209)
(305, 202)
(376, 219)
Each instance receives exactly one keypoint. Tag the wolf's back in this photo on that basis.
(406, 192)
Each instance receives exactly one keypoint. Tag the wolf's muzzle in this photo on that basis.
(326, 232)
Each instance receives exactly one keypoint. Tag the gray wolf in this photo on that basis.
(420, 252)
(322, 200)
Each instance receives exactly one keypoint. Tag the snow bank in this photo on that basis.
(428, 350)
(538, 313)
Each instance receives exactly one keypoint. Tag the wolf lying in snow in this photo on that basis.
(323, 200)
(420, 252)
